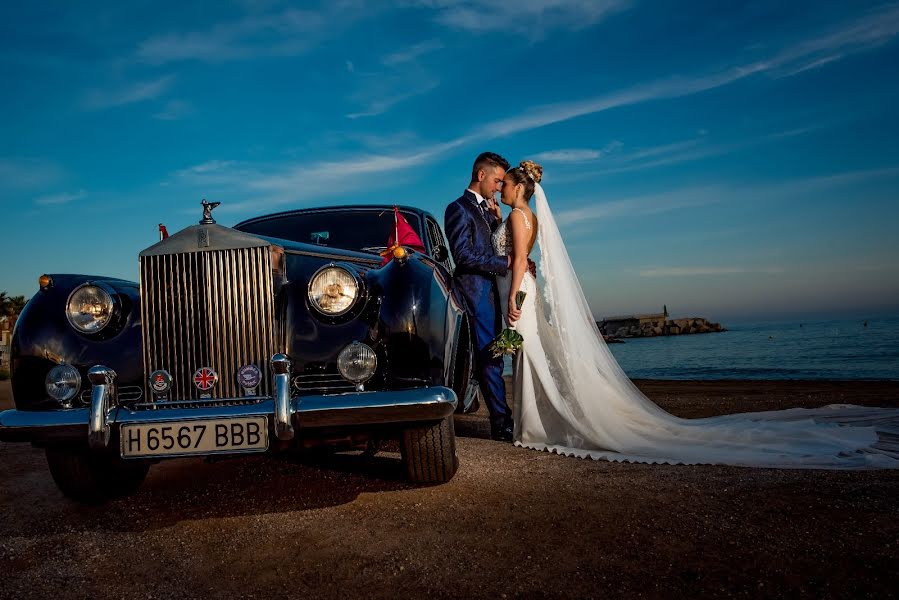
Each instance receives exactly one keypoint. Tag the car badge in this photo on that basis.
(160, 383)
(205, 378)
(249, 377)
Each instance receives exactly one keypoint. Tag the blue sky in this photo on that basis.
(728, 161)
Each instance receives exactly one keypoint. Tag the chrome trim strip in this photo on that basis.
(103, 400)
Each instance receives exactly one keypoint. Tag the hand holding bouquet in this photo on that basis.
(509, 341)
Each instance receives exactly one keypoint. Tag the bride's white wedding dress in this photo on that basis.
(572, 397)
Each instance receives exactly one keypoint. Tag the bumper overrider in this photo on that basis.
(284, 414)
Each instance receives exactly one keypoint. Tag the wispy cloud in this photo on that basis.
(530, 17)
(19, 173)
(576, 155)
(61, 198)
(411, 53)
(275, 179)
(873, 29)
(706, 271)
(210, 166)
(643, 205)
(382, 103)
(877, 27)
(129, 94)
(174, 110)
(287, 33)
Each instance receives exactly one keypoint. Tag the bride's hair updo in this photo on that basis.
(528, 173)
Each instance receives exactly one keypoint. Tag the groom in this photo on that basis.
(469, 225)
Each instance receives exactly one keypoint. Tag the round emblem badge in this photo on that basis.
(205, 378)
(249, 377)
(160, 381)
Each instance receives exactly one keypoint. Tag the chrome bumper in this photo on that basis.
(285, 414)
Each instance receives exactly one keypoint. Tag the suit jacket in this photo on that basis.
(477, 265)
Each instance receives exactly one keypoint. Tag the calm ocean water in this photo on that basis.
(814, 349)
(820, 349)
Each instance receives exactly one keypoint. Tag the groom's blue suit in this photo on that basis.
(470, 229)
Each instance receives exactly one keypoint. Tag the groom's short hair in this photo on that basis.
(488, 158)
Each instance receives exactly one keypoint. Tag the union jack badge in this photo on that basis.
(205, 378)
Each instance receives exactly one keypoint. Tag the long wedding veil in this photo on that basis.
(605, 415)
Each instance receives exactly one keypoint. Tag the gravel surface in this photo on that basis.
(512, 523)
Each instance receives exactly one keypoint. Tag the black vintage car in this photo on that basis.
(285, 331)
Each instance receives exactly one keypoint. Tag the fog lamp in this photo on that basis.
(357, 363)
(63, 382)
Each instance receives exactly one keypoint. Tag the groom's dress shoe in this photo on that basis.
(503, 434)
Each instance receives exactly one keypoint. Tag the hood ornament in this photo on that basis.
(207, 212)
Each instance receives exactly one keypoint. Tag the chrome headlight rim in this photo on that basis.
(110, 296)
(353, 274)
(55, 374)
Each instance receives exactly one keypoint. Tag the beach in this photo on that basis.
(512, 523)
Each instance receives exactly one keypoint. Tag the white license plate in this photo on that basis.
(207, 436)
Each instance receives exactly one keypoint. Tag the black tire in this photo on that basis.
(93, 477)
(429, 452)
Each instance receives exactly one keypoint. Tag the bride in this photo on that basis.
(571, 397)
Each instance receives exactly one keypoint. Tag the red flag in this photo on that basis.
(163, 232)
(403, 235)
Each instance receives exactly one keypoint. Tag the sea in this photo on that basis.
(836, 349)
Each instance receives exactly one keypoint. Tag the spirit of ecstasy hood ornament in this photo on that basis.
(207, 212)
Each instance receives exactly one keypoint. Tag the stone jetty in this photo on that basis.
(650, 325)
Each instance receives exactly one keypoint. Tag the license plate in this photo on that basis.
(207, 436)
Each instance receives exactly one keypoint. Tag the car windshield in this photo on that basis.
(352, 229)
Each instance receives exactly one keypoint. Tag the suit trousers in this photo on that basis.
(490, 370)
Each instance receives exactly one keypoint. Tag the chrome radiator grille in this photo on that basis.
(208, 309)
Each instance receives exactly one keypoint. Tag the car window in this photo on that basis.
(357, 229)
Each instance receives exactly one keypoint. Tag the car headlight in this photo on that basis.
(357, 363)
(333, 290)
(63, 382)
(90, 308)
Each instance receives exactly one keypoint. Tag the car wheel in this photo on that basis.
(429, 452)
(94, 477)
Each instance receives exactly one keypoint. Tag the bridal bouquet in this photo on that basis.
(509, 341)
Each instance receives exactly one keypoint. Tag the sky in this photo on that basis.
(728, 160)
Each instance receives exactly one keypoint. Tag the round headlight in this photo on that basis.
(63, 382)
(89, 309)
(357, 362)
(333, 290)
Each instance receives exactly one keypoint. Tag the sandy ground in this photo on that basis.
(512, 523)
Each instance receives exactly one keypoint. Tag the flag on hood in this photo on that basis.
(403, 235)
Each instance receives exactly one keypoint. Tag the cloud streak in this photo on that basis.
(530, 17)
(130, 94)
(872, 29)
(61, 198)
(287, 33)
(412, 53)
(19, 173)
(576, 155)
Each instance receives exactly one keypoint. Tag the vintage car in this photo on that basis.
(290, 330)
